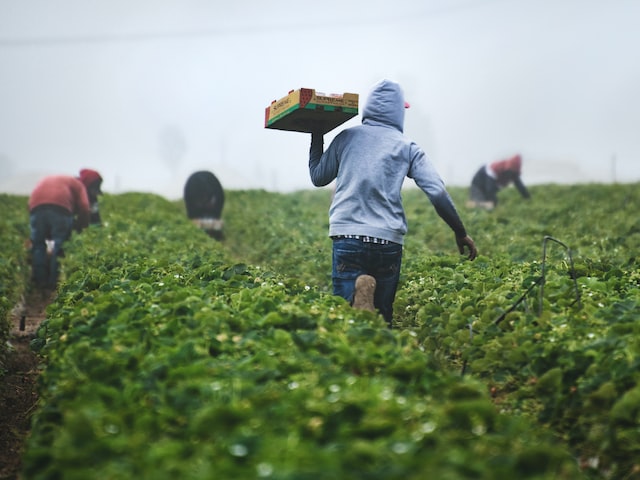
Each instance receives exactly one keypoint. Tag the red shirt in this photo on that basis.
(64, 191)
(506, 171)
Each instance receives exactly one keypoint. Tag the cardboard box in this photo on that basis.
(304, 110)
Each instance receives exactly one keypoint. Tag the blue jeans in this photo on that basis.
(48, 223)
(353, 257)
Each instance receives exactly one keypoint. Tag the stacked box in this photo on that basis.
(304, 110)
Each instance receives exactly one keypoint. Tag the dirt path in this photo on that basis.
(18, 392)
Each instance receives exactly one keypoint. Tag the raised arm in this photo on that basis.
(323, 168)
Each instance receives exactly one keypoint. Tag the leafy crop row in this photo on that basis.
(168, 354)
(14, 267)
(166, 359)
(572, 366)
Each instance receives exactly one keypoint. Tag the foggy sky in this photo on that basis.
(147, 92)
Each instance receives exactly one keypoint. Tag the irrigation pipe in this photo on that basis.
(538, 281)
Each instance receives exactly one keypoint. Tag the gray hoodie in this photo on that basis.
(369, 163)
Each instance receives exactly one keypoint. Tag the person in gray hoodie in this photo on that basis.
(366, 218)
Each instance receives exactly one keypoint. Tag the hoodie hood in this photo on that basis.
(512, 165)
(385, 105)
(515, 163)
(88, 177)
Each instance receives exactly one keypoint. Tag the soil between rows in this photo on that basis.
(18, 386)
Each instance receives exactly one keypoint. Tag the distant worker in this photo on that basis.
(57, 205)
(93, 183)
(492, 177)
(204, 200)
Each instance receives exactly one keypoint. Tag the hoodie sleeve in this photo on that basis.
(447, 211)
(323, 167)
(428, 179)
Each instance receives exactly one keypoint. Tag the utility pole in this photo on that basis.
(613, 168)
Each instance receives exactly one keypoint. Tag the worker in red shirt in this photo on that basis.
(57, 204)
(492, 177)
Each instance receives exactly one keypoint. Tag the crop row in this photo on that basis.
(14, 263)
(556, 341)
(167, 359)
(169, 354)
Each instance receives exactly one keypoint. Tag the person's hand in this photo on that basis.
(467, 241)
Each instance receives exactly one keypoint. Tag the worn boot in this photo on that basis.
(364, 291)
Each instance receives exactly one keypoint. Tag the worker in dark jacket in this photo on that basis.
(491, 178)
(56, 204)
(204, 200)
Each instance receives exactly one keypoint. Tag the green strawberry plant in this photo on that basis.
(166, 359)
(14, 261)
(169, 354)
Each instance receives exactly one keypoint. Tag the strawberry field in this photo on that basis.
(168, 355)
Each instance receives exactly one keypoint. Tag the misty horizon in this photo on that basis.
(150, 92)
